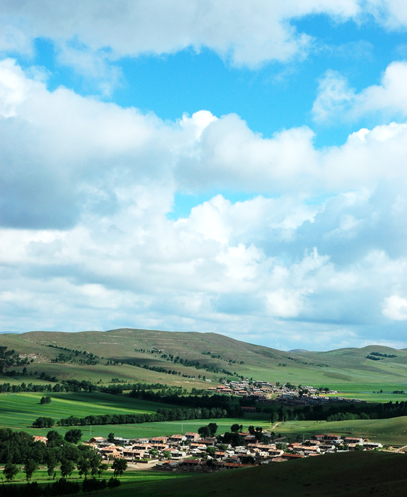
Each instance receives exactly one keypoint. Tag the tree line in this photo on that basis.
(111, 419)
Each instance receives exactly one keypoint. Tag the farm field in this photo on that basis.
(19, 410)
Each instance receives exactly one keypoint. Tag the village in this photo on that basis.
(290, 395)
(191, 452)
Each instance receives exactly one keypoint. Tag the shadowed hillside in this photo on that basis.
(356, 474)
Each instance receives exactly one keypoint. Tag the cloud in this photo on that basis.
(395, 308)
(87, 186)
(336, 100)
(244, 33)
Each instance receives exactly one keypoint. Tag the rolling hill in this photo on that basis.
(142, 355)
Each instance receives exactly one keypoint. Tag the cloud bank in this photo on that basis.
(90, 34)
(87, 235)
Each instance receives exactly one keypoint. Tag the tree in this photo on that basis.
(95, 461)
(73, 436)
(110, 438)
(119, 466)
(51, 461)
(54, 439)
(211, 450)
(101, 468)
(213, 427)
(274, 417)
(83, 467)
(29, 467)
(167, 454)
(204, 431)
(236, 428)
(10, 471)
(43, 422)
(113, 483)
(67, 468)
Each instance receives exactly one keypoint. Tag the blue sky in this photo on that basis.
(235, 167)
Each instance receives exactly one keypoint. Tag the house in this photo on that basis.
(318, 438)
(130, 455)
(111, 451)
(208, 441)
(192, 436)
(220, 455)
(98, 440)
(176, 439)
(331, 437)
(159, 446)
(372, 445)
(161, 440)
(38, 438)
(353, 440)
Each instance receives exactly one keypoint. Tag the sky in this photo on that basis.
(228, 166)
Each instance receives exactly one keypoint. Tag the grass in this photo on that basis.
(351, 474)
(344, 367)
(386, 431)
(130, 476)
(19, 410)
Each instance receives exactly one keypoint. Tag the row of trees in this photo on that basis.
(60, 487)
(162, 414)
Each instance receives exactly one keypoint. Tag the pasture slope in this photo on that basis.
(348, 370)
(354, 474)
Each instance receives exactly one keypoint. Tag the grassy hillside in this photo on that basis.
(348, 370)
(351, 474)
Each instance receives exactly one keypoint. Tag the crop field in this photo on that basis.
(19, 410)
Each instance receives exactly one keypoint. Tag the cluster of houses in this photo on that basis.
(263, 391)
(191, 452)
(260, 390)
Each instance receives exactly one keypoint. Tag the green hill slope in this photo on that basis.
(216, 354)
(356, 474)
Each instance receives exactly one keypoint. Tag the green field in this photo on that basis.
(130, 476)
(386, 431)
(19, 410)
